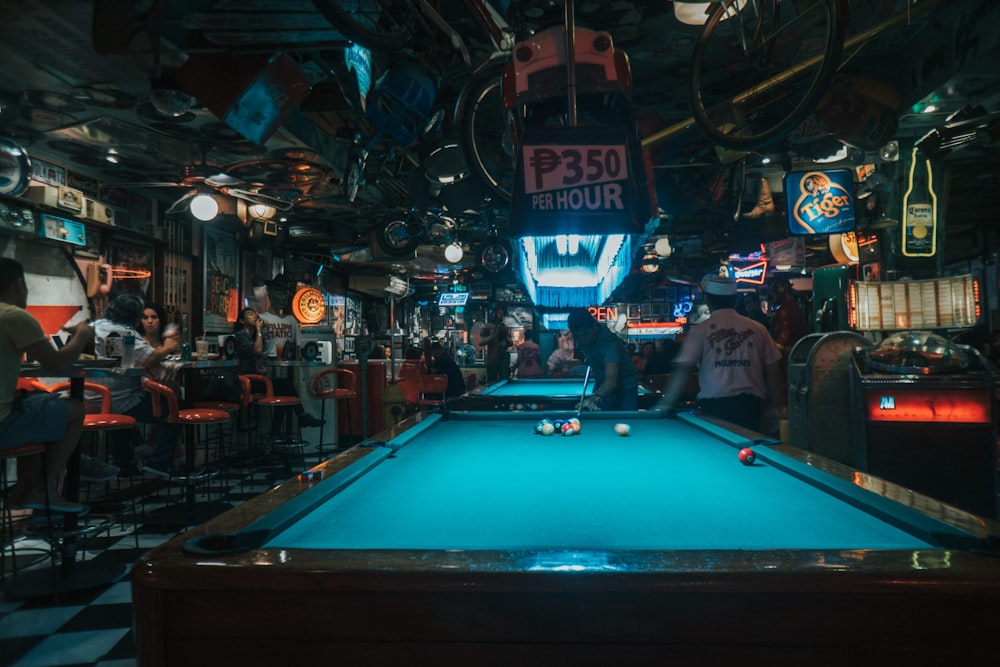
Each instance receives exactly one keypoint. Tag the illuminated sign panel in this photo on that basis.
(820, 202)
(604, 313)
(453, 298)
(752, 273)
(580, 180)
(965, 406)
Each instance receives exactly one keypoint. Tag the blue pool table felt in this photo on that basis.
(493, 483)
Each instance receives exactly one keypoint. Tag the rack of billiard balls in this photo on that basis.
(567, 427)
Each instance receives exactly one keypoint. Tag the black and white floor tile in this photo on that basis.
(94, 627)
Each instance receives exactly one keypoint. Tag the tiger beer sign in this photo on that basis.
(820, 202)
(578, 180)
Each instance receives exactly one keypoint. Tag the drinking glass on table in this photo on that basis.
(201, 347)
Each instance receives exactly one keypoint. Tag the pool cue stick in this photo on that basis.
(583, 394)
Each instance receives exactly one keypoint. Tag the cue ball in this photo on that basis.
(622, 429)
(747, 457)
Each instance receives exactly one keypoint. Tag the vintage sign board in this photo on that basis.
(820, 202)
(581, 180)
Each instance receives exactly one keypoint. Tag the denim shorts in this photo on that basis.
(37, 418)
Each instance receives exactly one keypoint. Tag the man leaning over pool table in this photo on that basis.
(615, 377)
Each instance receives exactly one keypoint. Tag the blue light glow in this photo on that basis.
(591, 273)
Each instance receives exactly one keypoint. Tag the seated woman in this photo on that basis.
(127, 396)
(154, 329)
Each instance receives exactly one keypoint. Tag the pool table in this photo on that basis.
(536, 394)
(467, 538)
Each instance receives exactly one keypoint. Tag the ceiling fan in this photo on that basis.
(203, 178)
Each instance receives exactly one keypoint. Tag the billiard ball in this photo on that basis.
(747, 457)
(567, 429)
(558, 424)
(576, 424)
(622, 429)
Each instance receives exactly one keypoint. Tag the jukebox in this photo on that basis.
(924, 418)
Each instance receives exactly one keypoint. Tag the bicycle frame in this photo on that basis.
(850, 44)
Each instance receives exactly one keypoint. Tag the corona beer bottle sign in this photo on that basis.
(919, 210)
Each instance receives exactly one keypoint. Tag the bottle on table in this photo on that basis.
(128, 349)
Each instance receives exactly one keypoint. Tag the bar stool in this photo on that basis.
(221, 456)
(273, 403)
(7, 522)
(191, 419)
(96, 424)
(337, 384)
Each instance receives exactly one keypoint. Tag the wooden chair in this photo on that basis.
(339, 384)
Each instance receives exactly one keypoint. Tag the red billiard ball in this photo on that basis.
(747, 457)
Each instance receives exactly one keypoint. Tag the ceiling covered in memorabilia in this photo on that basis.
(366, 156)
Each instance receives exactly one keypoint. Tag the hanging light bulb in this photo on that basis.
(662, 247)
(204, 207)
(454, 253)
(692, 12)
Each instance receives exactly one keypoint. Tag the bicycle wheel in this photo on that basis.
(396, 240)
(486, 131)
(374, 24)
(758, 71)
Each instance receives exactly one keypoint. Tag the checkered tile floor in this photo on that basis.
(94, 627)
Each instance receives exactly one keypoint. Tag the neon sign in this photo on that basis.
(752, 273)
(604, 313)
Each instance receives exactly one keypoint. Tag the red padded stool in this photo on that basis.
(222, 456)
(97, 423)
(192, 419)
(271, 402)
(337, 384)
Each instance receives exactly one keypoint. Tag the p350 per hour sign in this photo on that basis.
(580, 181)
(575, 178)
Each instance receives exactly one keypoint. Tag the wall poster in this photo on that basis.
(221, 288)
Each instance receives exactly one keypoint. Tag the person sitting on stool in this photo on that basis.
(42, 417)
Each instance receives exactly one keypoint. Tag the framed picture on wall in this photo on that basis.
(221, 282)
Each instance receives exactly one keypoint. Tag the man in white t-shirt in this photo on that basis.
(279, 330)
(737, 364)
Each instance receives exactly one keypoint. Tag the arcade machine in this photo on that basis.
(923, 406)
